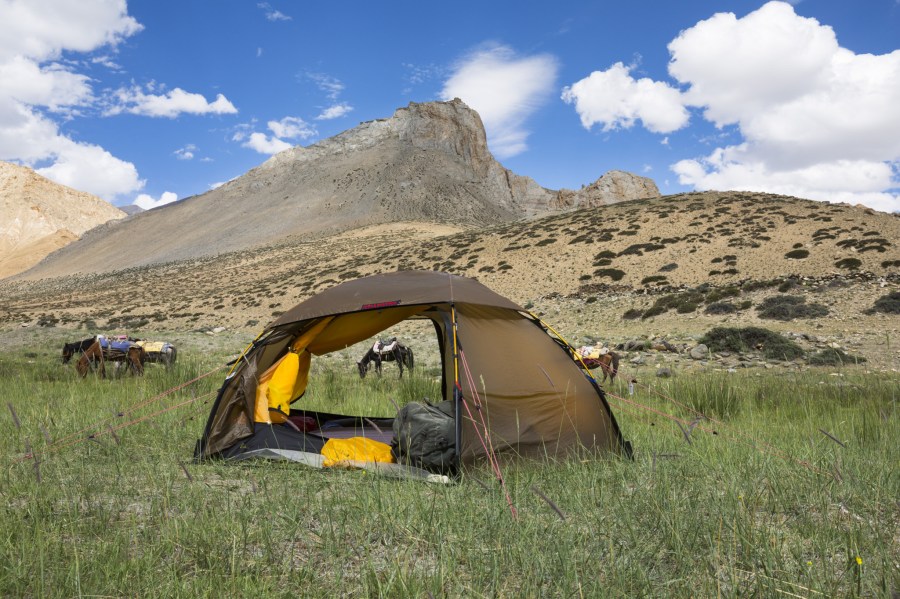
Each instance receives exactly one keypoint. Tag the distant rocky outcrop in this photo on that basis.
(131, 209)
(429, 162)
(611, 188)
(38, 216)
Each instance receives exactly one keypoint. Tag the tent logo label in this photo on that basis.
(380, 305)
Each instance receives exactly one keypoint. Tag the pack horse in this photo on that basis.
(607, 361)
(389, 351)
(102, 350)
(133, 353)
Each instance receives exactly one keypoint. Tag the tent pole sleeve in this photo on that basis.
(571, 348)
(237, 361)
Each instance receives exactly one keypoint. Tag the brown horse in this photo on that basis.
(76, 347)
(96, 356)
(608, 362)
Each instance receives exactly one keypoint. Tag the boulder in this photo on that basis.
(699, 352)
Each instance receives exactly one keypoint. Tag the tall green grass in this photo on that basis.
(758, 501)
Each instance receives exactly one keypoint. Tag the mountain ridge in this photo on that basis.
(429, 162)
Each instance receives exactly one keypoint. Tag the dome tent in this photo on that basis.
(540, 402)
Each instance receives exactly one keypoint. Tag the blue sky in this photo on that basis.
(152, 101)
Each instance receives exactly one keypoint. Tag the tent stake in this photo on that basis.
(37, 460)
(556, 509)
(832, 437)
(15, 417)
(186, 473)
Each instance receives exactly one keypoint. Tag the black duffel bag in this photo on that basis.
(425, 436)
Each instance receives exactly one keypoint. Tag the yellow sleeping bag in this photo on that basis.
(281, 384)
(286, 380)
(357, 449)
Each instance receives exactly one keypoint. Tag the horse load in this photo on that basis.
(120, 350)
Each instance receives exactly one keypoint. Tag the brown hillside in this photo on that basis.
(564, 265)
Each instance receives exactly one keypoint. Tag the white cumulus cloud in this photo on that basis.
(614, 99)
(334, 112)
(291, 127)
(505, 89)
(185, 153)
(816, 119)
(272, 14)
(264, 144)
(36, 87)
(53, 86)
(737, 68)
(148, 203)
(88, 167)
(134, 100)
(41, 30)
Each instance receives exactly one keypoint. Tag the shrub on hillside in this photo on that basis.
(613, 273)
(887, 304)
(848, 263)
(787, 286)
(657, 279)
(47, 320)
(718, 308)
(771, 344)
(632, 314)
(834, 357)
(686, 307)
(789, 307)
(654, 310)
(719, 294)
(683, 303)
(749, 286)
(798, 254)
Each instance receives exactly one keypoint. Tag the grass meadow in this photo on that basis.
(792, 488)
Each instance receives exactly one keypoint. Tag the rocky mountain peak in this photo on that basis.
(38, 216)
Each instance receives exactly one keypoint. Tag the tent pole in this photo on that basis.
(457, 393)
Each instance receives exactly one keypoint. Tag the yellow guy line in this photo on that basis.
(573, 351)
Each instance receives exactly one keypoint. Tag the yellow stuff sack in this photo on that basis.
(281, 387)
(357, 449)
